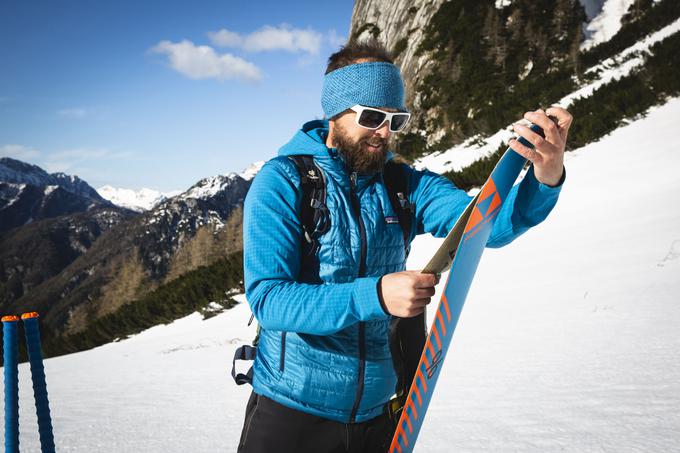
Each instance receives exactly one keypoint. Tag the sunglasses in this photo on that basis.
(371, 118)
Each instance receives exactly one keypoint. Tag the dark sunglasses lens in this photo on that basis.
(398, 122)
(371, 118)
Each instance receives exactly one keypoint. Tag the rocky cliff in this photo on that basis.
(471, 66)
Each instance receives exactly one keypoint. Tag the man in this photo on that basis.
(324, 371)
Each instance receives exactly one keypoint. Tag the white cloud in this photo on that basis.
(72, 113)
(202, 62)
(91, 153)
(225, 38)
(71, 159)
(267, 38)
(18, 152)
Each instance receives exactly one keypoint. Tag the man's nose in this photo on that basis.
(384, 130)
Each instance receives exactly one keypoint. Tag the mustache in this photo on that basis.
(375, 141)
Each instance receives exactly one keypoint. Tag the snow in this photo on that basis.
(250, 172)
(141, 200)
(209, 187)
(606, 23)
(568, 341)
(10, 201)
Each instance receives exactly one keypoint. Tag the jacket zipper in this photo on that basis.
(282, 360)
(356, 205)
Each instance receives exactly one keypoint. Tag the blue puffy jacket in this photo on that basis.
(323, 345)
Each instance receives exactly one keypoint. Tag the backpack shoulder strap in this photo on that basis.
(314, 215)
(396, 180)
(315, 220)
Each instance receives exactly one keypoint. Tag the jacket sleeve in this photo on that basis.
(439, 203)
(272, 237)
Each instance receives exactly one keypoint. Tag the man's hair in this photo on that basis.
(355, 50)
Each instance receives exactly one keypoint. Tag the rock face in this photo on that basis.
(400, 25)
(472, 66)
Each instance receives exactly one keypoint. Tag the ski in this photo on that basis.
(461, 252)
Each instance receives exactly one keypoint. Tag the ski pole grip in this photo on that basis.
(42, 405)
(11, 375)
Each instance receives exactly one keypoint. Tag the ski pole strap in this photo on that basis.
(245, 352)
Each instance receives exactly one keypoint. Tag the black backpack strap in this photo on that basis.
(396, 181)
(314, 214)
(245, 352)
(315, 220)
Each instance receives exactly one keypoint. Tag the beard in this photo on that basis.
(357, 156)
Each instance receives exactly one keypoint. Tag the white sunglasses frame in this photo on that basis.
(388, 117)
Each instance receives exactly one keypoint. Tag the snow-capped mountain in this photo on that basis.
(18, 172)
(139, 201)
(250, 172)
(178, 235)
(28, 193)
(146, 199)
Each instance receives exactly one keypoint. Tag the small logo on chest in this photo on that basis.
(392, 219)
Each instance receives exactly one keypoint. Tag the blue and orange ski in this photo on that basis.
(461, 251)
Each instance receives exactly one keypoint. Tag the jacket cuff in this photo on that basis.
(545, 188)
(366, 300)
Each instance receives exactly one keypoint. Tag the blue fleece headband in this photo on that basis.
(375, 84)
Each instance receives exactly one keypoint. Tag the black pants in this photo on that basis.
(271, 427)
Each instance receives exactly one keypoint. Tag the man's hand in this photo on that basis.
(548, 154)
(406, 294)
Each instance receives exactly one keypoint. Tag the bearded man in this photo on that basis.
(324, 370)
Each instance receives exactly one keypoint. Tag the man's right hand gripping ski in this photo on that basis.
(406, 294)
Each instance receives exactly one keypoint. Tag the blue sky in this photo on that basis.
(160, 94)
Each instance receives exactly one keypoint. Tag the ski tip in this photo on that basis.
(10, 318)
(29, 315)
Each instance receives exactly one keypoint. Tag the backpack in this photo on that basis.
(407, 335)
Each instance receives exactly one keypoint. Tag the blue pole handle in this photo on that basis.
(11, 372)
(42, 405)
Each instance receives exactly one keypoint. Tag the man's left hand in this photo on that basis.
(548, 153)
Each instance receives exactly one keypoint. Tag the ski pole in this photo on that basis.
(42, 405)
(11, 372)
